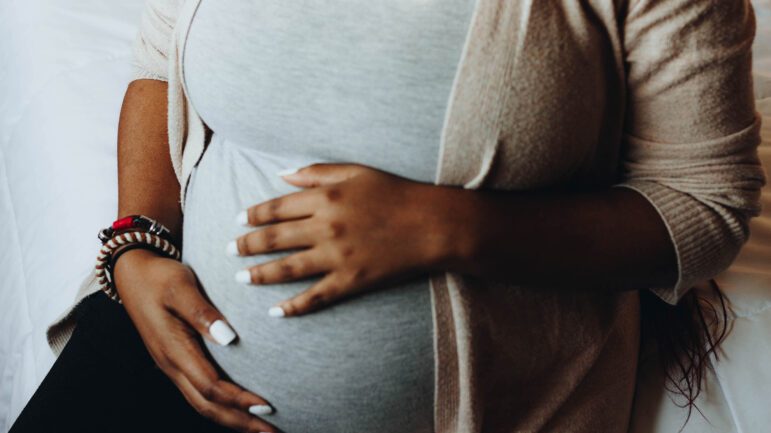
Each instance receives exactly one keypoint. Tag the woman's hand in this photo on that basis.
(162, 297)
(360, 227)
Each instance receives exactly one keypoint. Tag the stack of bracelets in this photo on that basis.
(135, 231)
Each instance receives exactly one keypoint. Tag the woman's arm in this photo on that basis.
(689, 149)
(610, 239)
(363, 227)
(161, 295)
(147, 184)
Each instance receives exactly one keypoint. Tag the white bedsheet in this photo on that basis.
(63, 74)
(64, 71)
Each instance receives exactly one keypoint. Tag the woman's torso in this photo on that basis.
(287, 84)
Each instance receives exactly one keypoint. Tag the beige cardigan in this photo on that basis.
(653, 95)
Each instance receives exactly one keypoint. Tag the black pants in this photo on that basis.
(105, 381)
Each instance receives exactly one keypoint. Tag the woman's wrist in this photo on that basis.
(132, 257)
(131, 261)
(136, 231)
(449, 226)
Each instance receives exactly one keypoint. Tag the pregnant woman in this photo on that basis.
(411, 215)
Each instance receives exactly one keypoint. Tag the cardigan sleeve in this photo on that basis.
(152, 46)
(691, 131)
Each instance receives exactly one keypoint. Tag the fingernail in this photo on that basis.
(232, 248)
(260, 409)
(243, 276)
(288, 171)
(242, 218)
(276, 312)
(222, 333)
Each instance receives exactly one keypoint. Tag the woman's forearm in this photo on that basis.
(362, 228)
(608, 239)
(147, 184)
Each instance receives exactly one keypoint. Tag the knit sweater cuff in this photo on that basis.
(693, 232)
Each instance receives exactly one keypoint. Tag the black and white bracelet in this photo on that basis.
(104, 268)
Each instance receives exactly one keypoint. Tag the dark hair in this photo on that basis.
(684, 336)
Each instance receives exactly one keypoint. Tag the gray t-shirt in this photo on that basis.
(360, 82)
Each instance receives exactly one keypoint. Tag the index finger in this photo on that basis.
(222, 415)
(192, 362)
(300, 204)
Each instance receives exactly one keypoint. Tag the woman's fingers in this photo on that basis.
(302, 204)
(324, 174)
(302, 264)
(187, 356)
(163, 299)
(189, 359)
(296, 205)
(331, 288)
(228, 416)
(284, 236)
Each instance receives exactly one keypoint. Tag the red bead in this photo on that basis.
(123, 223)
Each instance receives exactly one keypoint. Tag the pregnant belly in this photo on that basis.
(364, 364)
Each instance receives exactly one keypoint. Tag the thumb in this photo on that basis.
(321, 174)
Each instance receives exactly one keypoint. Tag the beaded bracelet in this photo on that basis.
(103, 268)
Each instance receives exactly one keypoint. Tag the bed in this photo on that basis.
(63, 75)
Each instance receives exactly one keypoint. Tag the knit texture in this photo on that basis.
(651, 95)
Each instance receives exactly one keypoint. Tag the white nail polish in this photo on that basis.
(288, 171)
(243, 276)
(276, 312)
(222, 333)
(260, 409)
(232, 249)
(242, 218)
